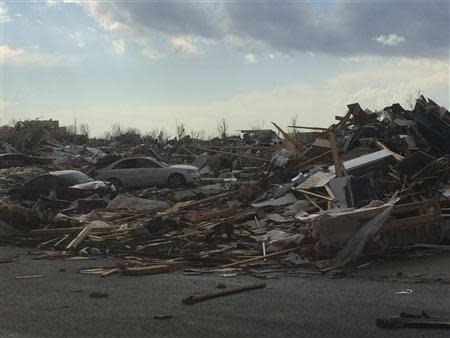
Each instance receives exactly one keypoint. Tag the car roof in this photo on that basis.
(136, 158)
(65, 172)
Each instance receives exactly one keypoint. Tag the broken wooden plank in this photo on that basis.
(335, 152)
(220, 293)
(110, 272)
(398, 157)
(315, 158)
(80, 238)
(30, 277)
(311, 128)
(314, 194)
(147, 270)
(310, 200)
(289, 138)
(255, 259)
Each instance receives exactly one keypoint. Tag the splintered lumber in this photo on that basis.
(147, 270)
(30, 277)
(329, 191)
(255, 259)
(80, 238)
(311, 128)
(212, 198)
(55, 232)
(335, 152)
(288, 137)
(250, 157)
(110, 272)
(220, 293)
(310, 200)
(311, 160)
(306, 192)
(196, 217)
(398, 157)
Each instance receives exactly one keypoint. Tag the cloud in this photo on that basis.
(119, 46)
(4, 16)
(151, 54)
(184, 46)
(3, 104)
(375, 83)
(77, 37)
(22, 57)
(342, 28)
(8, 53)
(390, 40)
(250, 58)
(51, 3)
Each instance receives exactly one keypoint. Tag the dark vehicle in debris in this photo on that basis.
(62, 185)
(10, 160)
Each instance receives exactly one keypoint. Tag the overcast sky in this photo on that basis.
(149, 64)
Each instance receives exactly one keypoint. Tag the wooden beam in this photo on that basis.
(313, 159)
(80, 238)
(335, 153)
(220, 293)
(314, 194)
(312, 128)
(398, 157)
(255, 259)
(289, 138)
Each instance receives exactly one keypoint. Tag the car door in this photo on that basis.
(126, 171)
(148, 172)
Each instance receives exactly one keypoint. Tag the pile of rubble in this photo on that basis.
(371, 183)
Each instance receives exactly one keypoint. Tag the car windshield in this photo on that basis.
(74, 178)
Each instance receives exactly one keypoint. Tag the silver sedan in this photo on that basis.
(146, 171)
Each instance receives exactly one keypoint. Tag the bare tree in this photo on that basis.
(73, 128)
(294, 119)
(412, 99)
(258, 126)
(181, 130)
(163, 136)
(197, 134)
(116, 130)
(85, 129)
(222, 128)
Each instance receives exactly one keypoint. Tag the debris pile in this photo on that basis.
(370, 183)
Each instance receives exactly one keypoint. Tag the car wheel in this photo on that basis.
(116, 183)
(176, 180)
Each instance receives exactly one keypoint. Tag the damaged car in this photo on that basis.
(62, 185)
(147, 171)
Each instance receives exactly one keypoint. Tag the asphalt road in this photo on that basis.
(58, 305)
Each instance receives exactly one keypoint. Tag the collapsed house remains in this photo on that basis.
(370, 183)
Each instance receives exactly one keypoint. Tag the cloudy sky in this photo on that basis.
(149, 64)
